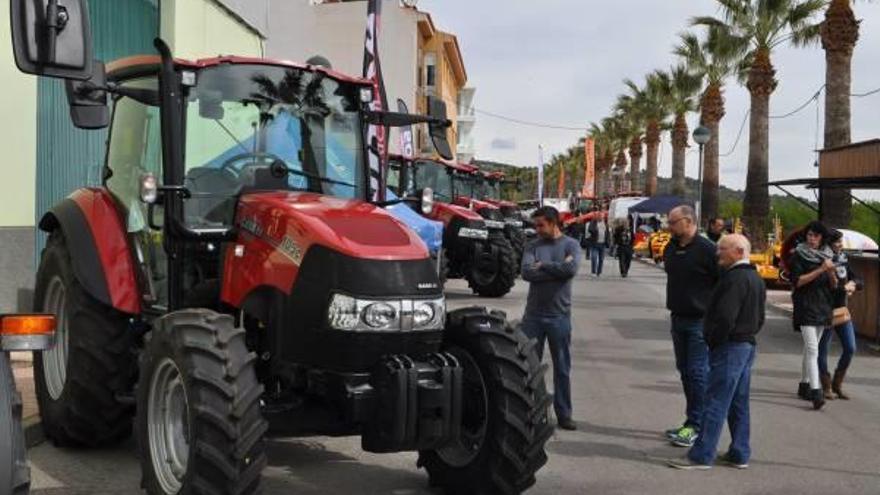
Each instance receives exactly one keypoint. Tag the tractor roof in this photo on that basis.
(140, 65)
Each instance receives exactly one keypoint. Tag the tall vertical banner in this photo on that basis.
(540, 176)
(407, 144)
(589, 189)
(377, 136)
(560, 184)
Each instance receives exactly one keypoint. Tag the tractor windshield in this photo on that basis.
(467, 185)
(270, 128)
(434, 175)
(491, 189)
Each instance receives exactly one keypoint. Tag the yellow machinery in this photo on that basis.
(657, 244)
(767, 261)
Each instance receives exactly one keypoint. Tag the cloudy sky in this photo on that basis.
(562, 62)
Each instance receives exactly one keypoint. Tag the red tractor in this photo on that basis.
(475, 248)
(486, 191)
(234, 278)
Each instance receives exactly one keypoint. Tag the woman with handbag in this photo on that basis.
(847, 283)
(813, 276)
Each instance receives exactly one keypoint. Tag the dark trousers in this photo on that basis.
(624, 259)
(727, 399)
(847, 335)
(556, 330)
(692, 361)
(597, 258)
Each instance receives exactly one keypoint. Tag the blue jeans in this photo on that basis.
(597, 259)
(692, 361)
(557, 330)
(847, 335)
(727, 398)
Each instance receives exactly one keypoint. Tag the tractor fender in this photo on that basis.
(99, 249)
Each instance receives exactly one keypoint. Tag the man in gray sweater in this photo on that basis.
(549, 264)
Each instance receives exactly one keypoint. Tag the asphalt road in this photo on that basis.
(626, 392)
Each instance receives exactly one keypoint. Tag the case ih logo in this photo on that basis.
(427, 286)
(291, 249)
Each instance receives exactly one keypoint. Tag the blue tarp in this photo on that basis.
(659, 205)
(430, 231)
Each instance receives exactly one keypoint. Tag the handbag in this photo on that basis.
(841, 316)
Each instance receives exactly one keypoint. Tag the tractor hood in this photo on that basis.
(446, 212)
(295, 221)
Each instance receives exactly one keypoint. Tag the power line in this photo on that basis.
(798, 109)
(739, 134)
(530, 124)
(869, 93)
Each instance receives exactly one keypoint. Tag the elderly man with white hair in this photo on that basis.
(734, 316)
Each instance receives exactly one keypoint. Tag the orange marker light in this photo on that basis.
(27, 325)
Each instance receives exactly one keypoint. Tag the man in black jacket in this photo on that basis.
(734, 316)
(691, 264)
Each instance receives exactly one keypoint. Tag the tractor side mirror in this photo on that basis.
(88, 100)
(439, 131)
(52, 38)
(211, 104)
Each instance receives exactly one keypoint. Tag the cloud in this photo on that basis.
(503, 144)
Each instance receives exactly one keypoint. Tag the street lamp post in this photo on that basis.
(701, 136)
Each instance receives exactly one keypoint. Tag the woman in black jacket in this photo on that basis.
(847, 283)
(813, 276)
(623, 242)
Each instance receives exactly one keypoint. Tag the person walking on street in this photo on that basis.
(847, 283)
(813, 276)
(598, 238)
(549, 264)
(715, 230)
(623, 239)
(691, 266)
(734, 316)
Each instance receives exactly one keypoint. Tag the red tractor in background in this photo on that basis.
(475, 248)
(235, 277)
(488, 189)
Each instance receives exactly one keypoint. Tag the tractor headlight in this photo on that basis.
(401, 315)
(380, 316)
(427, 202)
(481, 234)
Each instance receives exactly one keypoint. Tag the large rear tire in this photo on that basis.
(199, 425)
(493, 272)
(14, 472)
(505, 417)
(80, 380)
(518, 242)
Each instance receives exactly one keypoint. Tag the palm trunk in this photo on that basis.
(756, 205)
(679, 150)
(635, 157)
(652, 141)
(621, 165)
(840, 32)
(712, 113)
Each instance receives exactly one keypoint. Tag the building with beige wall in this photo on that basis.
(417, 58)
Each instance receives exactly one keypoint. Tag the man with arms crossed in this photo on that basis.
(549, 263)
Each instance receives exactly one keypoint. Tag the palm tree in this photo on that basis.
(758, 27)
(839, 34)
(654, 108)
(714, 59)
(630, 112)
(680, 88)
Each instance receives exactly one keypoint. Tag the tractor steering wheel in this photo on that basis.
(258, 158)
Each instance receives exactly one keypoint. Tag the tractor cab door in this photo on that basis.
(133, 152)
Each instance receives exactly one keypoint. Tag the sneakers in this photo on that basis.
(730, 462)
(685, 437)
(686, 464)
(672, 432)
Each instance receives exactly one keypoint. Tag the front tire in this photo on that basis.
(518, 242)
(505, 417)
(14, 472)
(493, 271)
(199, 425)
(79, 381)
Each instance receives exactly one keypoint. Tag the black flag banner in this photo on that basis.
(377, 136)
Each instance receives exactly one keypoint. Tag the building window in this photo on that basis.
(430, 70)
